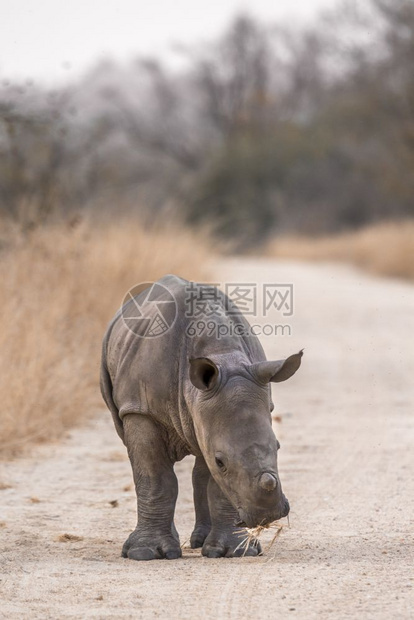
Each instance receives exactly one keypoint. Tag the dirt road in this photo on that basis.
(346, 463)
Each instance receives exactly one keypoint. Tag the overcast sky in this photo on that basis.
(53, 40)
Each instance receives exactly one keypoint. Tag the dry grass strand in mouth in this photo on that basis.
(253, 534)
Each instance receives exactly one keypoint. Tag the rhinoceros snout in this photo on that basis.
(255, 516)
(286, 509)
(268, 482)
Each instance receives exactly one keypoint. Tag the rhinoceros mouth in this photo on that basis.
(246, 519)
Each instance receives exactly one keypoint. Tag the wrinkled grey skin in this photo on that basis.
(176, 395)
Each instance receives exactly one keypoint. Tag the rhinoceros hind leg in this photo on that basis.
(198, 536)
(202, 527)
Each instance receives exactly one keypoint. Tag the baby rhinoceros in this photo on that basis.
(201, 392)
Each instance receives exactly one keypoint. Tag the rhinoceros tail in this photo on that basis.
(106, 391)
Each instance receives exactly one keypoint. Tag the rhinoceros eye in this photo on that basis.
(278, 444)
(220, 464)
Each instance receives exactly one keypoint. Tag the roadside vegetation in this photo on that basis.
(59, 287)
(386, 249)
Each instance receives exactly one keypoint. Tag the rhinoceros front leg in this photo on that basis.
(225, 538)
(155, 536)
(202, 527)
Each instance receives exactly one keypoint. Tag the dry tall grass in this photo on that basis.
(386, 248)
(59, 287)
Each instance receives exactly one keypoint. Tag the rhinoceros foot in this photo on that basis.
(199, 535)
(229, 544)
(141, 546)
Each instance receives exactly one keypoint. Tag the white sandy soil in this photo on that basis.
(346, 464)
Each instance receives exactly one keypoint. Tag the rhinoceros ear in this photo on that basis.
(277, 371)
(203, 373)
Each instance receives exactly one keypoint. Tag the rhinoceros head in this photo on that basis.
(232, 420)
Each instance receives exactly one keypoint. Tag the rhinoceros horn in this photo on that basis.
(277, 371)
